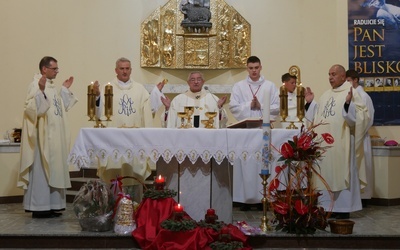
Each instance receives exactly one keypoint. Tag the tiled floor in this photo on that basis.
(371, 221)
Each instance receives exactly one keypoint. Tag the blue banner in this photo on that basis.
(374, 52)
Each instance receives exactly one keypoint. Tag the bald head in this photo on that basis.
(337, 75)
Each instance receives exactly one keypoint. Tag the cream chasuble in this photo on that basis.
(131, 109)
(201, 101)
(46, 118)
(335, 164)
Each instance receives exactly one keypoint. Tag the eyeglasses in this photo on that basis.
(55, 69)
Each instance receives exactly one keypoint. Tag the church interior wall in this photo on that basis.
(88, 36)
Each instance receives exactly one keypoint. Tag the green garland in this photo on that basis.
(176, 226)
(219, 245)
(216, 226)
(159, 194)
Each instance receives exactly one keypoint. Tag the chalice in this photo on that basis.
(189, 111)
(206, 123)
(182, 115)
(210, 116)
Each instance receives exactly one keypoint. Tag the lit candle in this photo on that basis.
(266, 127)
(300, 102)
(210, 217)
(266, 107)
(178, 208)
(160, 179)
(91, 102)
(210, 211)
(108, 95)
(159, 183)
(284, 102)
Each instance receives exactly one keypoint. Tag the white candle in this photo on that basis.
(266, 107)
(266, 127)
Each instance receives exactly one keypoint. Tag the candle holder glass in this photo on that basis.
(210, 218)
(178, 216)
(265, 226)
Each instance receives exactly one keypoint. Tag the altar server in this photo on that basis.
(366, 193)
(245, 102)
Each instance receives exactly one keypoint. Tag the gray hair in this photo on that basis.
(195, 72)
(121, 59)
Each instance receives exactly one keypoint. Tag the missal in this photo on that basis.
(252, 122)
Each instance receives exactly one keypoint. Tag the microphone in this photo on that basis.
(206, 88)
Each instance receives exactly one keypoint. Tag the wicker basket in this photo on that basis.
(341, 226)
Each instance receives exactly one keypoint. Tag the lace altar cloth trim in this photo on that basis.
(125, 144)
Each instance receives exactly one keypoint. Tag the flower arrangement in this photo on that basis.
(293, 199)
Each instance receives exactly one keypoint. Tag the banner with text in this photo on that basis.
(374, 51)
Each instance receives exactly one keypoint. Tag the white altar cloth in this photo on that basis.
(94, 144)
(247, 187)
(240, 147)
(201, 156)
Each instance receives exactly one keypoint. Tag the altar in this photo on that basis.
(202, 157)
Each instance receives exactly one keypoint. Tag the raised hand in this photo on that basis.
(309, 95)
(96, 88)
(349, 96)
(166, 101)
(42, 83)
(222, 101)
(67, 83)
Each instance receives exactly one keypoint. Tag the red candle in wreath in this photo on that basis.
(159, 183)
(211, 217)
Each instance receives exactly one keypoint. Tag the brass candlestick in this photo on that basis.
(284, 102)
(91, 103)
(265, 226)
(300, 103)
(108, 96)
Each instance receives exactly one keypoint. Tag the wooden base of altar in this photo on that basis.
(200, 186)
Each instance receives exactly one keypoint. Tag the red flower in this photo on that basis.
(304, 142)
(300, 207)
(274, 184)
(281, 207)
(328, 138)
(278, 169)
(287, 150)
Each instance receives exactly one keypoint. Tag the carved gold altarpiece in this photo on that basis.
(169, 41)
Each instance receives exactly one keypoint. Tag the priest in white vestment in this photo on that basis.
(246, 102)
(366, 193)
(201, 100)
(45, 144)
(346, 115)
(131, 109)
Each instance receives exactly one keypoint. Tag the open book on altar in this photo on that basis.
(252, 122)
